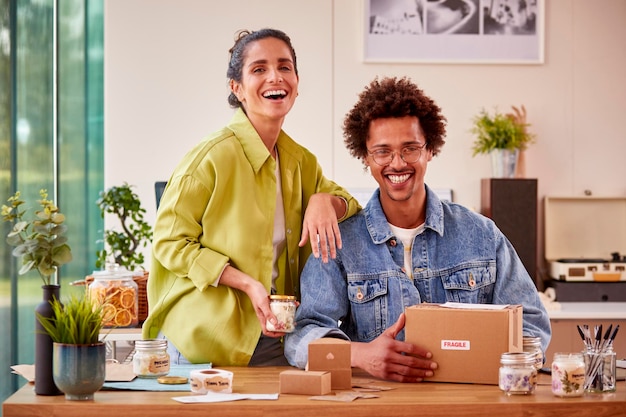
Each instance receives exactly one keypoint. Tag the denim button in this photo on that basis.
(359, 295)
(472, 281)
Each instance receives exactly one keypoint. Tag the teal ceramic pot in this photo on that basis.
(79, 370)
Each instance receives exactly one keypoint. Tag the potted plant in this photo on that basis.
(503, 136)
(42, 245)
(79, 357)
(122, 246)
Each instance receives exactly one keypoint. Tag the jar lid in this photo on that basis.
(113, 271)
(282, 297)
(516, 358)
(151, 344)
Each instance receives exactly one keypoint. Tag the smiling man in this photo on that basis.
(406, 247)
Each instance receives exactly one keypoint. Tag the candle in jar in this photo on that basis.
(517, 373)
(284, 308)
(568, 374)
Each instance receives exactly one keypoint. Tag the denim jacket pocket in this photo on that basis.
(471, 283)
(368, 302)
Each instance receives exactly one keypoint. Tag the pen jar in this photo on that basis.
(284, 308)
(568, 374)
(600, 370)
(518, 374)
(151, 359)
(118, 294)
(532, 345)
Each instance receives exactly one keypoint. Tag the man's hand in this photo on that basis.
(387, 358)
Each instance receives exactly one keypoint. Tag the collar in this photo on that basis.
(251, 142)
(378, 226)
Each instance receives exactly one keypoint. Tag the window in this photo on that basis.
(51, 136)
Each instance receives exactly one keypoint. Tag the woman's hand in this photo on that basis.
(391, 359)
(320, 225)
(257, 293)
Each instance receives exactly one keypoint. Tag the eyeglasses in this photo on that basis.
(409, 154)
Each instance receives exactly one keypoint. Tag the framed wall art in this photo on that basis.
(454, 31)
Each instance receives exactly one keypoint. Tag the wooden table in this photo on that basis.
(422, 399)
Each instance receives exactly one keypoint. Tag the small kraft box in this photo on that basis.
(304, 382)
(466, 340)
(333, 355)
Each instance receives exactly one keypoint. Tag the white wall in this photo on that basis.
(165, 88)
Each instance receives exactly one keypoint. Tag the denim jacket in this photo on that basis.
(461, 257)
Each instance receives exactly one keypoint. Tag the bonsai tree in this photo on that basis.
(122, 246)
(501, 131)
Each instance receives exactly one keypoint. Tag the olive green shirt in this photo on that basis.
(218, 209)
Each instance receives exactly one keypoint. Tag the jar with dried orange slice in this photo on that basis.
(117, 292)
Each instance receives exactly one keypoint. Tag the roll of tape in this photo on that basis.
(203, 381)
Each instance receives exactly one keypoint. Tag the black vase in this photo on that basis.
(44, 382)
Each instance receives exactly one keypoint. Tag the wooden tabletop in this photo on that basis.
(422, 399)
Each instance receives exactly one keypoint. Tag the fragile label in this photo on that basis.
(455, 345)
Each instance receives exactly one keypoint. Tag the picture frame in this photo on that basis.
(454, 31)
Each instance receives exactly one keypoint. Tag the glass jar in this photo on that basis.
(568, 374)
(532, 345)
(117, 292)
(600, 369)
(151, 359)
(284, 308)
(518, 374)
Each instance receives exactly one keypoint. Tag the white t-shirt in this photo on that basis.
(407, 236)
(279, 241)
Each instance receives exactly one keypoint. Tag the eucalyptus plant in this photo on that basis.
(122, 246)
(40, 241)
(78, 321)
(501, 131)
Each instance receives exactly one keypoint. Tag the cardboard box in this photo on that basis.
(304, 382)
(466, 340)
(333, 355)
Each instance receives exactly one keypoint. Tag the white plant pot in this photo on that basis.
(504, 163)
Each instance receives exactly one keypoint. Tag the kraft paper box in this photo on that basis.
(466, 340)
(304, 382)
(328, 354)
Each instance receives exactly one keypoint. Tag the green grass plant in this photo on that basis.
(500, 131)
(78, 321)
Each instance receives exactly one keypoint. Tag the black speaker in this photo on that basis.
(512, 204)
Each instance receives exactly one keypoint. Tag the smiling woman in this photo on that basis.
(233, 246)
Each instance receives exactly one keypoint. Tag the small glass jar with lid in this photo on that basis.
(532, 345)
(568, 374)
(118, 293)
(151, 359)
(284, 308)
(518, 374)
